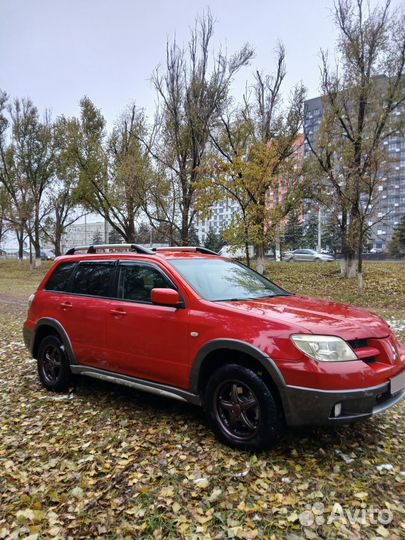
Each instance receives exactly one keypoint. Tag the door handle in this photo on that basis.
(66, 305)
(118, 312)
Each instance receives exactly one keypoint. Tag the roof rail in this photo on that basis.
(190, 249)
(113, 248)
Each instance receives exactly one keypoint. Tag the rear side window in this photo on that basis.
(93, 279)
(60, 278)
(136, 282)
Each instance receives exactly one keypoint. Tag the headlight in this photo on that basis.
(324, 348)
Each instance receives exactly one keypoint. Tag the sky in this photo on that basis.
(56, 51)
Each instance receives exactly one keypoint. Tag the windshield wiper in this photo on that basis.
(230, 299)
(270, 296)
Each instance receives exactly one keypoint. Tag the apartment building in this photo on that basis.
(219, 219)
(85, 233)
(389, 203)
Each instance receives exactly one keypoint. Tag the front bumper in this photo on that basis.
(28, 334)
(310, 406)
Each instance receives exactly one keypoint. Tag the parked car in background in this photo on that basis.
(47, 255)
(304, 255)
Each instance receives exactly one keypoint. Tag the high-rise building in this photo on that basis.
(219, 219)
(389, 204)
(278, 194)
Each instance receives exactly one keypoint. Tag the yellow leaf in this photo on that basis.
(383, 531)
(176, 507)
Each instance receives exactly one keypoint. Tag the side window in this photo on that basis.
(59, 279)
(136, 281)
(93, 279)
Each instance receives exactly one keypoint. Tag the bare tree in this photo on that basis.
(193, 91)
(360, 96)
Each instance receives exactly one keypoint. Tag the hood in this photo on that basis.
(317, 316)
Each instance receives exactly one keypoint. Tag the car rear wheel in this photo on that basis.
(241, 409)
(53, 365)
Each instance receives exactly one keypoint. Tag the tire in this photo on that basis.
(241, 409)
(53, 365)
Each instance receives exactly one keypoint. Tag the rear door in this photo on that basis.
(83, 310)
(146, 340)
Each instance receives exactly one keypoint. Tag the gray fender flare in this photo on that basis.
(240, 346)
(56, 325)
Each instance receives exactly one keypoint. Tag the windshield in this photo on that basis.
(218, 279)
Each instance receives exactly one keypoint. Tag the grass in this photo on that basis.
(384, 284)
(108, 462)
(20, 280)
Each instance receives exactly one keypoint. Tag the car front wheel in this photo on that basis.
(241, 409)
(53, 365)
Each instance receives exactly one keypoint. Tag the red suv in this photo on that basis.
(189, 324)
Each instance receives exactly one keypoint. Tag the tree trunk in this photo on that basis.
(184, 227)
(278, 245)
(260, 259)
(36, 240)
(360, 288)
(246, 243)
(348, 265)
(20, 240)
(37, 250)
(348, 260)
(130, 232)
(57, 243)
(247, 254)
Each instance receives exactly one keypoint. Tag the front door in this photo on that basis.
(146, 340)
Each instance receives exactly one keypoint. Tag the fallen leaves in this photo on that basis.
(108, 462)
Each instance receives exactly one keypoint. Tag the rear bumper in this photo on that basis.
(309, 406)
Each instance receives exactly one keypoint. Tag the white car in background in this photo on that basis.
(308, 255)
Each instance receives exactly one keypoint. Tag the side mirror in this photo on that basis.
(166, 297)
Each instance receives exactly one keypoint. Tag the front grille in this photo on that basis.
(373, 350)
(358, 343)
(361, 347)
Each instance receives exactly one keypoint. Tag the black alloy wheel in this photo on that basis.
(237, 409)
(241, 409)
(53, 364)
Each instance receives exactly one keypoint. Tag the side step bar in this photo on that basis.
(138, 384)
